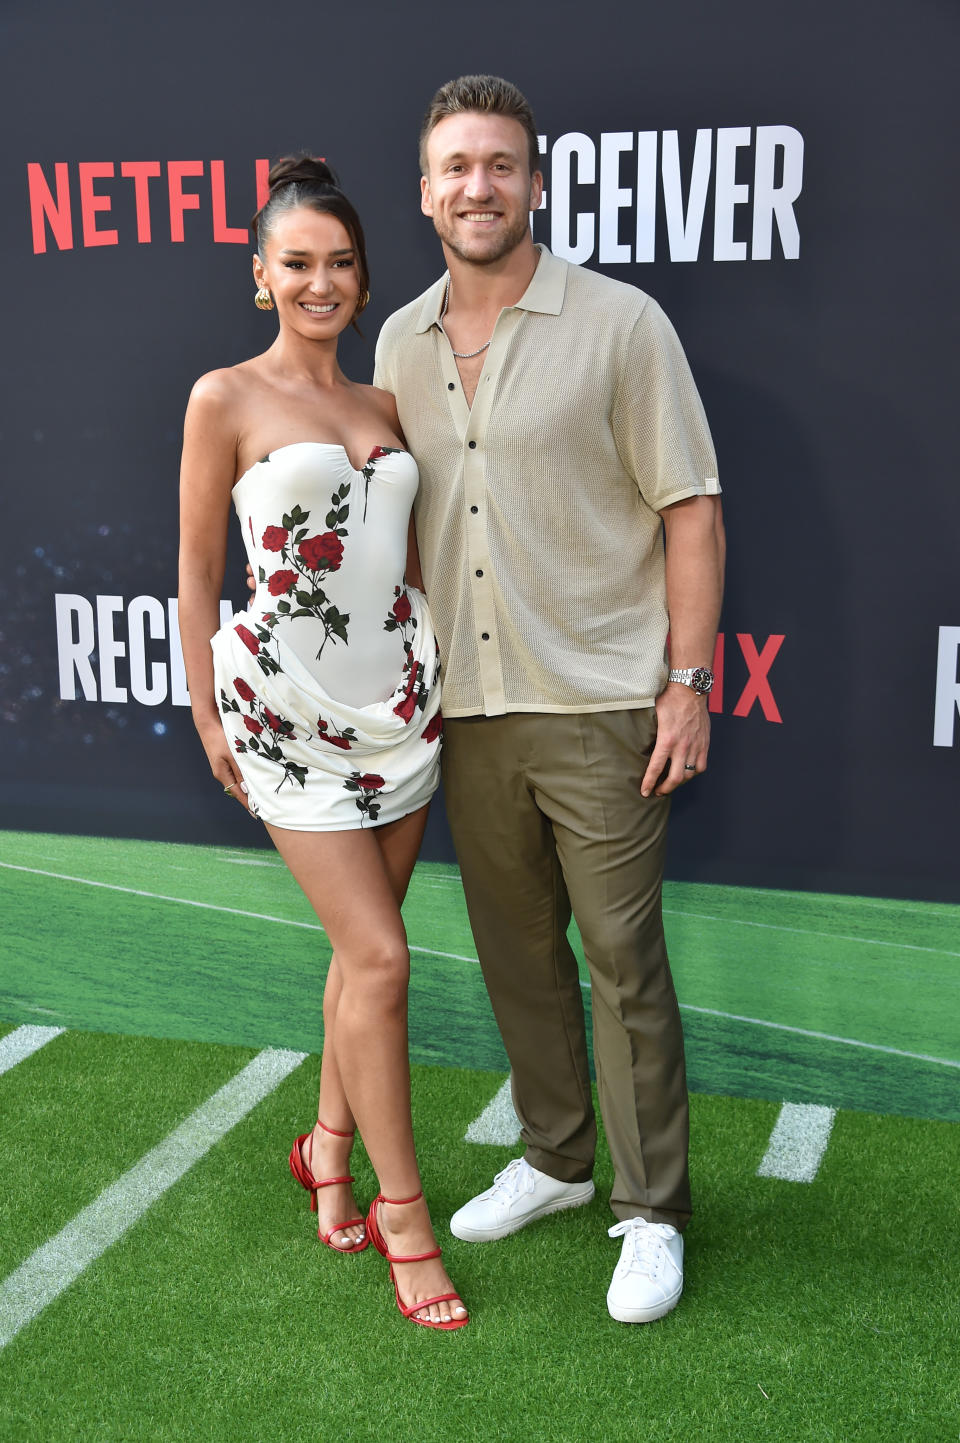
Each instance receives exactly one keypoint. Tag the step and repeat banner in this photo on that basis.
(777, 177)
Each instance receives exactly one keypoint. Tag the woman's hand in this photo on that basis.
(221, 761)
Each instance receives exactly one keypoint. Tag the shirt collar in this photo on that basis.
(544, 293)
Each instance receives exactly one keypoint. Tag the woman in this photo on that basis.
(318, 708)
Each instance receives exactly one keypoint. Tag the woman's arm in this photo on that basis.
(207, 474)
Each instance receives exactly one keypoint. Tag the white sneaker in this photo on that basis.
(519, 1195)
(648, 1279)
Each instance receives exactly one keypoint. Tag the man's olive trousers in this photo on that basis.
(546, 815)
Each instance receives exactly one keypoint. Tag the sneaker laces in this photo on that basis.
(516, 1178)
(644, 1244)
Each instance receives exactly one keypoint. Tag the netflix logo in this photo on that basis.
(71, 203)
(755, 690)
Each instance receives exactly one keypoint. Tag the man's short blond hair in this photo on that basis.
(483, 95)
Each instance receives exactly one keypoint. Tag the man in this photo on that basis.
(568, 514)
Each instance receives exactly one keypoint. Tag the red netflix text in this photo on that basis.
(72, 205)
(758, 661)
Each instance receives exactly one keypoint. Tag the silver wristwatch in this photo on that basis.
(700, 678)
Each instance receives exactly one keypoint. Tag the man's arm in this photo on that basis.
(695, 551)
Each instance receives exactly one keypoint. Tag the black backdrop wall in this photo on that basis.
(776, 176)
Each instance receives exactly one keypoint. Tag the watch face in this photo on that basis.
(702, 680)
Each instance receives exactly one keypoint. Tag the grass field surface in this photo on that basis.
(822, 1311)
(812, 1311)
(844, 1001)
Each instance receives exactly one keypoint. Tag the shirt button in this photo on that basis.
(472, 445)
(474, 510)
(449, 385)
(479, 573)
(484, 636)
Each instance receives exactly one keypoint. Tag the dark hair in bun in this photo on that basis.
(298, 181)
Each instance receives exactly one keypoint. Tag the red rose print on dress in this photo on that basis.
(248, 638)
(406, 707)
(415, 691)
(368, 470)
(266, 731)
(433, 728)
(401, 619)
(368, 787)
(307, 561)
(322, 551)
(281, 583)
(336, 738)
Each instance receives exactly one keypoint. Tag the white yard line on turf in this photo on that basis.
(55, 1265)
(821, 1036)
(937, 910)
(497, 1123)
(808, 932)
(248, 862)
(210, 907)
(23, 1042)
(798, 1142)
(668, 911)
(461, 957)
(881, 904)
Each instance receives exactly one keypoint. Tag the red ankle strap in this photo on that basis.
(399, 1201)
(333, 1131)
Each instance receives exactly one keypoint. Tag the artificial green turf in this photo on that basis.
(812, 1312)
(82, 956)
(67, 1130)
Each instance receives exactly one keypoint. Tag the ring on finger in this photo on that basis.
(228, 791)
(688, 768)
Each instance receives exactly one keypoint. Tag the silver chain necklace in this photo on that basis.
(460, 355)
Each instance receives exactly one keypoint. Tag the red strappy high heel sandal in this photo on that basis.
(376, 1237)
(306, 1179)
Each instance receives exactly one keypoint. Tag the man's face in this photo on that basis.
(478, 189)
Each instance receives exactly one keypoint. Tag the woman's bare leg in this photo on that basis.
(324, 1154)
(400, 844)
(353, 881)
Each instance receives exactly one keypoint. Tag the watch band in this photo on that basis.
(699, 678)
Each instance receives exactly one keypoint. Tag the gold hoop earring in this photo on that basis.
(263, 300)
(363, 300)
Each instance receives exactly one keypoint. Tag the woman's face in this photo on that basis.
(310, 269)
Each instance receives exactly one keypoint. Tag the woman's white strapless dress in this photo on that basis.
(328, 686)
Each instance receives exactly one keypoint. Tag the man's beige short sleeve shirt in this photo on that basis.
(537, 514)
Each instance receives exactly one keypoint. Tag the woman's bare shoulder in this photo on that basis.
(220, 400)
(382, 402)
(224, 386)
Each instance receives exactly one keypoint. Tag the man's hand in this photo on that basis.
(683, 740)
(251, 579)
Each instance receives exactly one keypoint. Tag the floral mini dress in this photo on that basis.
(328, 686)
